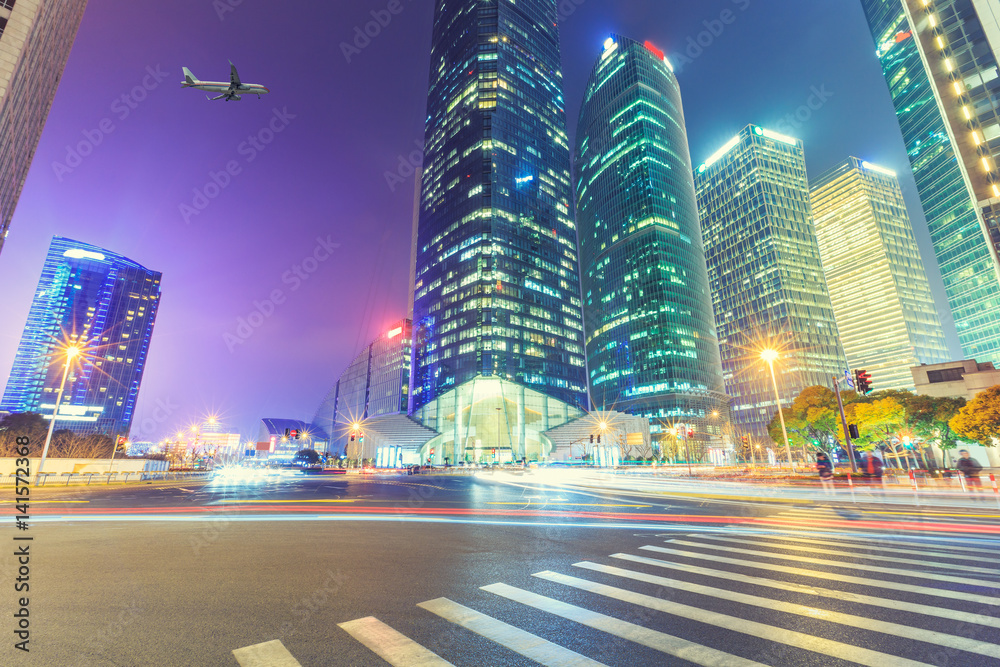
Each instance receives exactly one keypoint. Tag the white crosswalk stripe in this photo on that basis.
(820, 574)
(760, 553)
(917, 634)
(763, 601)
(675, 646)
(267, 654)
(393, 647)
(540, 650)
(926, 609)
(838, 552)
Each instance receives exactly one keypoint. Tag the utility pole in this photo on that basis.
(843, 422)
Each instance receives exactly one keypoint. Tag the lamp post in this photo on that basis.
(71, 353)
(770, 356)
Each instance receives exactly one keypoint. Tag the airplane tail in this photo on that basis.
(189, 77)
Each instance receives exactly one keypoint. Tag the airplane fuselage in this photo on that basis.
(221, 87)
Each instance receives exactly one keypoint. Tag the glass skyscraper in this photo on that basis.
(765, 273)
(103, 303)
(652, 348)
(940, 62)
(35, 40)
(878, 285)
(497, 289)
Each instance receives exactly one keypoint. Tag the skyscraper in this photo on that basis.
(940, 60)
(766, 277)
(497, 289)
(35, 41)
(104, 303)
(651, 341)
(878, 285)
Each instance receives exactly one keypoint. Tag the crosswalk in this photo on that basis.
(725, 598)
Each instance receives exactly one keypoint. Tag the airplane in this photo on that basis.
(234, 90)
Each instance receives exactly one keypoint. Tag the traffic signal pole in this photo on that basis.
(843, 421)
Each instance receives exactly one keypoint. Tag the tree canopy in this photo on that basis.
(979, 420)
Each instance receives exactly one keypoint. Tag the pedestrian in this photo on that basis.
(970, 469)
(872, 468)
(825, 468)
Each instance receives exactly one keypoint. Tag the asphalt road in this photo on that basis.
(187, 573)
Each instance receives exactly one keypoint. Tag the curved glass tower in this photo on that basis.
(497, 289)
(651, 341)
(103, 302)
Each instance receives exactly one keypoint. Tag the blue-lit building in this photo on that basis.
(497, 290)
(103, 303)
(652, 348)
(941, 61)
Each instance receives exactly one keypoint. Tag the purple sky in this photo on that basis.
(322, 176)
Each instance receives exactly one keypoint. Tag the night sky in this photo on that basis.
(343, 125)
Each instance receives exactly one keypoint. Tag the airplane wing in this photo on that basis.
(234, 77)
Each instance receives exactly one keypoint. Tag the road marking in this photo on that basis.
(899, 630)
(836, 563)
(826, 647)
(395, 648)
(866, 547)
(660, 641)
(571, 504)
(867, 539)
(268, 502)
(531, 646)
(819, 574)
(835, 552)
(268, 654)
(889, 603)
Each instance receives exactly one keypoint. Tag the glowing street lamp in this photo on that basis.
(72, 352)
(770, 356)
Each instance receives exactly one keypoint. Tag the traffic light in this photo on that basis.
(353, 436)
(286, 432)
(745, 440)
(853, 430)
(862, 382)
(591, 438)
(432, 451)
(598, 439)
(690, 432)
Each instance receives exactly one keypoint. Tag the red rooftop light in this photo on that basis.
(659, 54)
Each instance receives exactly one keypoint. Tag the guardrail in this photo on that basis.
(86, 478)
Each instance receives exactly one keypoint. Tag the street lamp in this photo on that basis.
(770, 356)
(72, 352)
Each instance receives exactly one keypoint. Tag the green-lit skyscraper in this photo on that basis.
(766, 275)
(651, 342)
(940, 60)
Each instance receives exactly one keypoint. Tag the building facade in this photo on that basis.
(940, 60)
(35, 40)
(105, 304)
(878, 286)
(497, 289)
(375, 384)
(651, 346)
(764, 268)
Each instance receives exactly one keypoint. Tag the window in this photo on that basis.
(3, 22)
(946, 375)
(6, 4)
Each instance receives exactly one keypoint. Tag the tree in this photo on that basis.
(813, 416)
(878, 420)
(979, 420)
(23, 424)
(306, 457)
(929, 419)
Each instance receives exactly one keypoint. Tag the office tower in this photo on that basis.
(35, 41)
(765, 273)
(651, 342)
(497, 289)
(103, 303)
(878, 286)
(940, 61)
